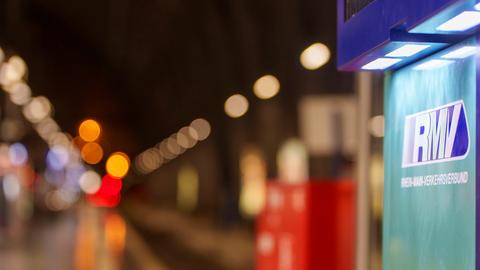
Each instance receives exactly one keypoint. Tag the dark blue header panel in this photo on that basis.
(388, 34)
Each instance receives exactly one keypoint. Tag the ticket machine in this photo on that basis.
(429, 52)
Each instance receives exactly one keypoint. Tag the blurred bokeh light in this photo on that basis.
(376, 126)
(236, 106)
(266, 87)
(187, 188)
(12, 71)
(92, 153)
(118, 165)
(90, 182)
(108, 195)
(20, 93)
(292, 162)
(18, 66)
(11, 187)
(37, 109)
(201, 129)
(18, 154)
(315, 56)
(254, 176)
(57, 158)
(89, 130)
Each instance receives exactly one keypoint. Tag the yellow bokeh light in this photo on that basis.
(89, 130)
(187, 188)
(18, 65)
(236, 106)
(266, 87)
(13, 70)
(118, 165)
(315, 56)
(92, 153)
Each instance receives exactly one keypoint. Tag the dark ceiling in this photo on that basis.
(145, 68)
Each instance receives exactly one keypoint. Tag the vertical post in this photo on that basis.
(363, 83)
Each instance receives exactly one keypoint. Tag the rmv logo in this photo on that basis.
(437, 135)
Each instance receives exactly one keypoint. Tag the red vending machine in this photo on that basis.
(307, 226)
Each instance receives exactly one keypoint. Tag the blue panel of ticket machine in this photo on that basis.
(389, 34)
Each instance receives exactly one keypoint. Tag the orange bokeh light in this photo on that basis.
(78, 142)
(118, 165)
(89, 130)
(92, 153)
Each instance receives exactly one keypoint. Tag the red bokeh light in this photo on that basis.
(109, 193)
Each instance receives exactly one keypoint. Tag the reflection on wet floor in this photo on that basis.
(46, 244)
(100, 240)
(82, 239)
(86, 238)
(184, 242)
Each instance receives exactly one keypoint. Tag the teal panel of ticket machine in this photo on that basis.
(430, 163)
(430, 53)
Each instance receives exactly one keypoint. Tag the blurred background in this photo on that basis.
(168, 134)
